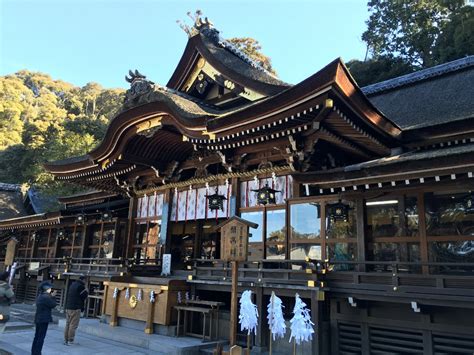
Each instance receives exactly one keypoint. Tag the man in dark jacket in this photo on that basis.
(75, 298)
(44, 305)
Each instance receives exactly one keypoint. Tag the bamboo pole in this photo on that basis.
(233, 304)
(294, 347)
(272, 298)
(248, 344)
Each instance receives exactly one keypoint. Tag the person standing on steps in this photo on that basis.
(44, 305)
(6, 298)
(75, 298)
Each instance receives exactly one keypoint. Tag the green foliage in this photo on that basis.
(405, 35)
(249, 46)
(42, 120)
(405, 28)
(252, 48)
(457, 38)
(376, 70)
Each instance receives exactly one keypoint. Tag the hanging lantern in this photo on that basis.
(339, 211)
(34, 237)
(106, 216)
(216, 201)
(266, 195)
(469, 204)
(80, 219)
(61, 234)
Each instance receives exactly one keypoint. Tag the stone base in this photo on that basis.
(137, 337)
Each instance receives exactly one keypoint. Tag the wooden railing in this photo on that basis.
(436, 280)
(269, 273)
(87, 266)
(432, 280)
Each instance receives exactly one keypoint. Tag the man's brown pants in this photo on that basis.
(72, 322)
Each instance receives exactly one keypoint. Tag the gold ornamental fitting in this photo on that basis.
(133, 301)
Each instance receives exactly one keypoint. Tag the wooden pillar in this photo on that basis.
(323, 230)
(85, 251)
(422, 231)
(260, 339)
(56, 243)
(234, 203)
(233, 304)
(360, 227)
(150, 315)
(116, 247)
(114, 316)
(104, 300)
(316, 319)
(165, 233)
(132, 207)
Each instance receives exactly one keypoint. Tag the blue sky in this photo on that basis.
(80, 41)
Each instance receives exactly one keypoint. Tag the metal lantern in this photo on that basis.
(61, 234)
(469, 204)
(266, 195)
(339, 212)
(34, 237)
(80, 219)
(216, 201)
(106, 216)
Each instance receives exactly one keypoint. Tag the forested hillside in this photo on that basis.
(42, 119)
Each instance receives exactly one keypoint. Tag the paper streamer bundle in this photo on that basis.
(248, 317)
(301, 325)
(276, 322)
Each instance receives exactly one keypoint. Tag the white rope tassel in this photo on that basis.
(152, 296)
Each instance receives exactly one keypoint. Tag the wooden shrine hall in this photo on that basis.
(359, 199)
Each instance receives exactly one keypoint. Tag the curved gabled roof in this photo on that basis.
(183, 115)
(206, 43)
(334, 76)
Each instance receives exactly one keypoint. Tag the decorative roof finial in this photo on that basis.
(200, 23)
(134, 76)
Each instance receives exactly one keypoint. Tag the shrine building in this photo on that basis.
(358, 199)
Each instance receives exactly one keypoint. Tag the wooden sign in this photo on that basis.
(235, 238)
(234, 241)
(10, 256)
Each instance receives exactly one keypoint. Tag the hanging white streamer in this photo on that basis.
(140, 295)
(276, 321)
(248, 317)
(115, 292)
(127, 293)
(301, 325)
(152, 296)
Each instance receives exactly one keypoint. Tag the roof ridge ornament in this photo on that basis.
(200, 23)
(139, 86)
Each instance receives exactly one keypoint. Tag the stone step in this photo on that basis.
(157, 343)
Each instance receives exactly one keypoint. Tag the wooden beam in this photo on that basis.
(422, 231)
(360, 225)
